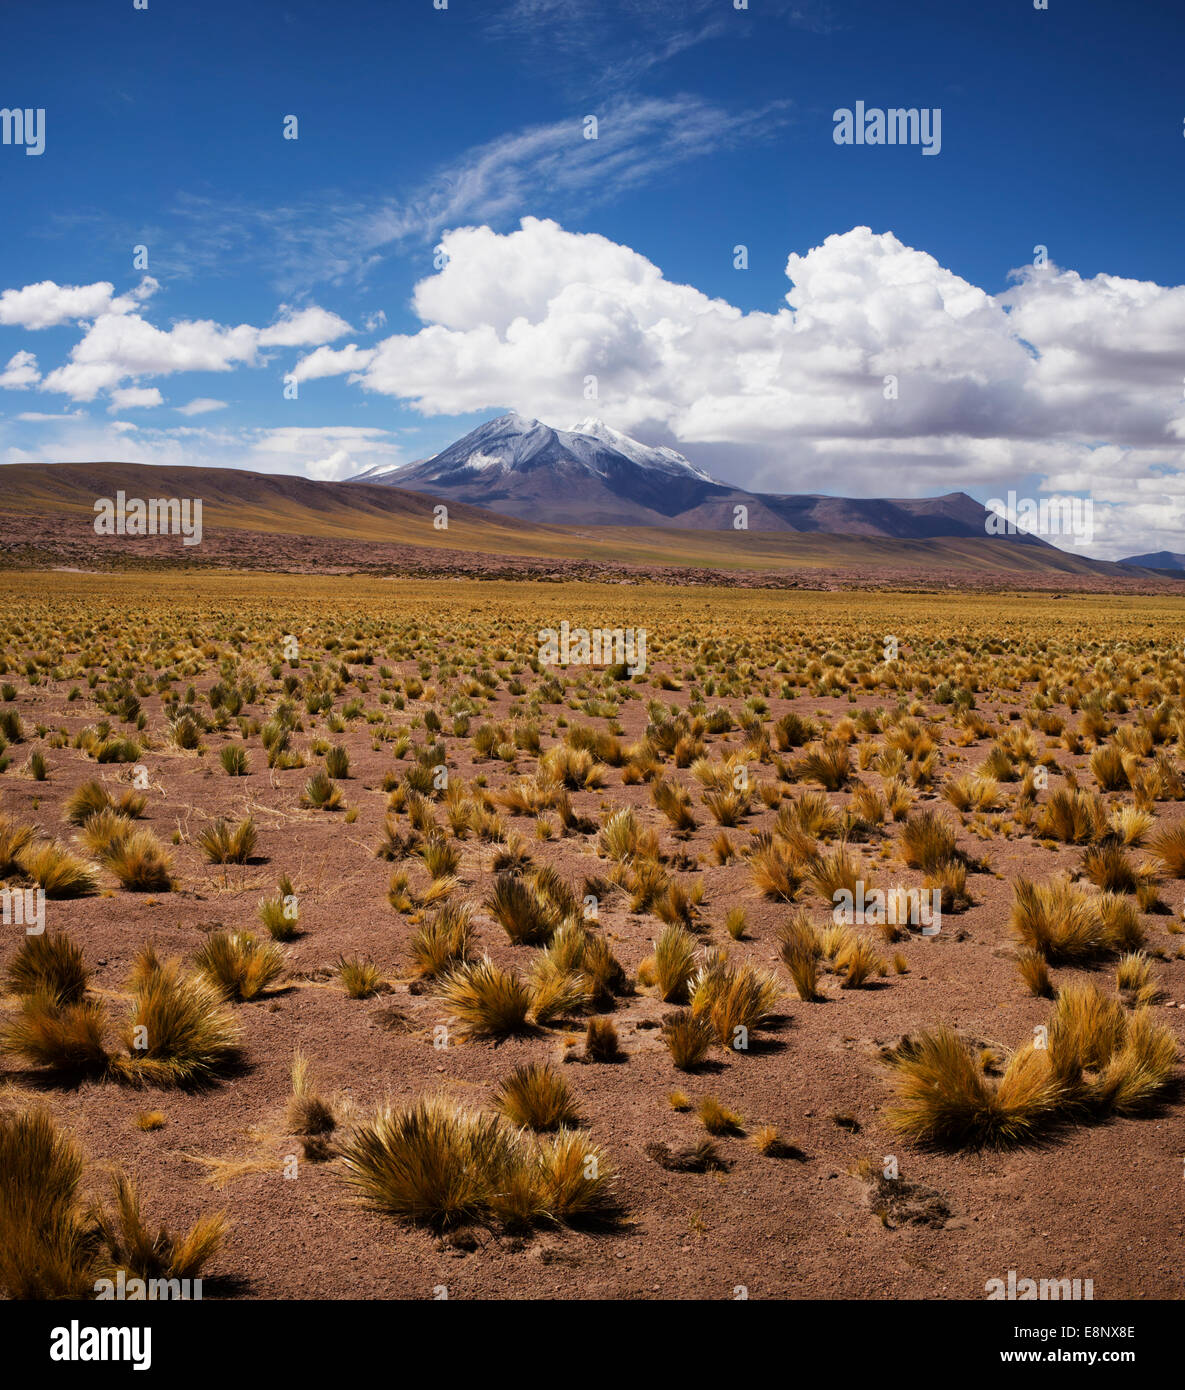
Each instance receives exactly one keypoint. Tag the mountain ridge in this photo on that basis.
(283, 522)
(594, 475)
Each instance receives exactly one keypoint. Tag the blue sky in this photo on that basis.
(164, 128)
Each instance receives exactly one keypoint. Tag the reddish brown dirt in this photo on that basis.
(1100, 1202)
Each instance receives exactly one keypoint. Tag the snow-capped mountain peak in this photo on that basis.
(515, 444)
(643, 454)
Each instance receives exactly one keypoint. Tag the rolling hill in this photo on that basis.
(272, 521)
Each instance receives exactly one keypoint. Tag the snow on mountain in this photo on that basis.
(515, 444)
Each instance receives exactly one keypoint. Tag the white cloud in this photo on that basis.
(20, 372)
(322, 238)
(333, 451)
(201, 405)
(121, 345)
(329, 452)
(340, 464)
(305, 326)
(989, 389)
(47, 304)
(132, 397)
(327, 361)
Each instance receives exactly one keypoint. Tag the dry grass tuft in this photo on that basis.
(536, 1096)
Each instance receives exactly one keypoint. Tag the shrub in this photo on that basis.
(829, 764)
(776, 871)
(927, 841)
(1034, 971)
(485, 999)
(432, 1162)
(943, 1097)
(280, 914)
(66, 1037)
(733, 999)
(234, 760)
(14, 840)
(227, 844)
(674, 963)
(1168, 846)
(446, 939)
(105, 829)
(140, 862)
(145, 1252)
(857, 961)
(1107, 866)
(360, 978)
(601, 1043)
(716, 1118)
(321, 792)
(1072, 816)
(49, 1242)
(179, 1031)
(525, 917)
(801, 951)
(536, 1096)
(440, 856)
(60, 873)
(675, 803)
(576, 1181)
(308, 1112)
(50, 963)
(688, 1038)
(238, 964)
(1059, 920)
(1106, 763)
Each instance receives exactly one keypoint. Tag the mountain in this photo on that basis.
(1158, 560)
(592, 475)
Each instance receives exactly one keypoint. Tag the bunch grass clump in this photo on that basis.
(239, 964)
(734, 999)
(223, 843)
(485, 999)
(435, 1164)
(1093, 1060)
(536, 1096)
(179, 1031)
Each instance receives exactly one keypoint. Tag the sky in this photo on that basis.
(636, 210)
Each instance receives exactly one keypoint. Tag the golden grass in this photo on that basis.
(484, 999)
(178, 1031)
(436, 1164)
(536, 1096)
(239, 964)
(734, 999)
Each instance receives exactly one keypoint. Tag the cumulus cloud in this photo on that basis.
(20, 372)
(47, 304)
(881, 364)
(299, 328)
(200, 405)
(121, 345)
(340, 464)
(135, 397)
(327, 361)
(329, 452)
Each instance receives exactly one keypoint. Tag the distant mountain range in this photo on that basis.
(592, 475)
(1158, 560)
(276, 521)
